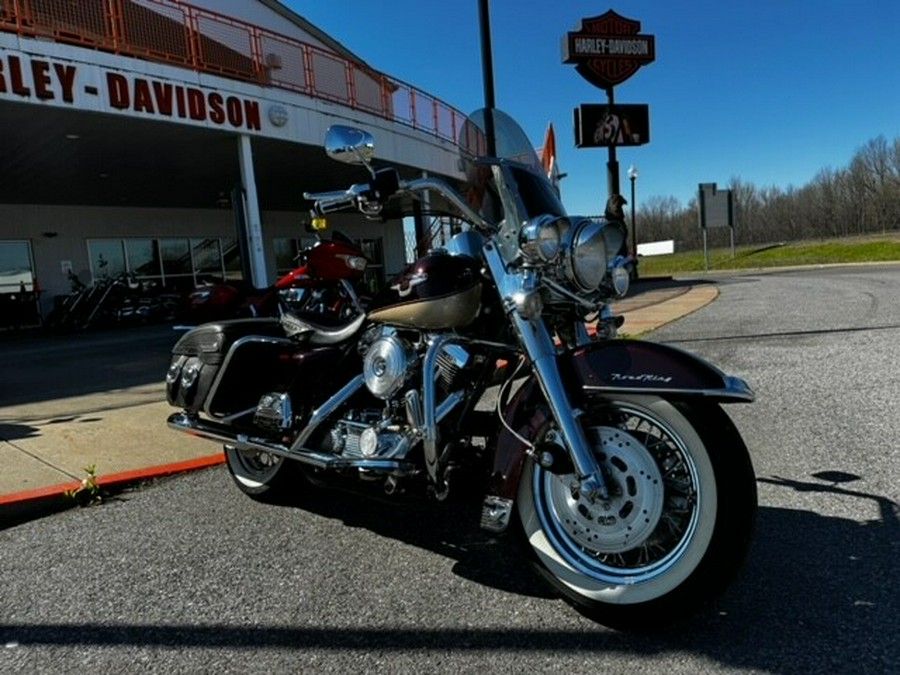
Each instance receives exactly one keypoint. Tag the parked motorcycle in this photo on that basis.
(119, 300)
(324, 282)
(611, 460)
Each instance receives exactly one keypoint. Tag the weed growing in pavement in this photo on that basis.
(89, 492)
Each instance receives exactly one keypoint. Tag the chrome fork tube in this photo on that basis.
(541, 352)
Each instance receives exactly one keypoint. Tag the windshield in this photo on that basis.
(511, 141)
(536, 193)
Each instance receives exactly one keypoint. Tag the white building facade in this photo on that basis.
(162, 139)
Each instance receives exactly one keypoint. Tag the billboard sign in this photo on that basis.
(603, 126)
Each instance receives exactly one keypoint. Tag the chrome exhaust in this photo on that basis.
(194, 426)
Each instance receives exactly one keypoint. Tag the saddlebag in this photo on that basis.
(224, 367)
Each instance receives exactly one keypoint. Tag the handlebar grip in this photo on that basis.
(323, 206)
(326, 202)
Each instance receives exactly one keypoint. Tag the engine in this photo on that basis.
(389, 362)
(392, 362)
(392, 372)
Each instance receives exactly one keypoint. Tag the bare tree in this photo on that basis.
(863, 197)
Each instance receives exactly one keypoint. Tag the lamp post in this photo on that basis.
(632, 176)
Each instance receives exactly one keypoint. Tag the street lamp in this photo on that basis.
(632, 176)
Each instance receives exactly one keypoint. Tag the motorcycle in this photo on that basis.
(322, 283)
(610, 460)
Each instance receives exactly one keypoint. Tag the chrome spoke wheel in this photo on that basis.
(652, 509)
(656, 527)
(256, 463)
(258, 474)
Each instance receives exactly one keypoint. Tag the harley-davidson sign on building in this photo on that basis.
(608, 49)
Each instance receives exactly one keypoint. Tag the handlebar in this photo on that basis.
(362, 196)
(337, 200)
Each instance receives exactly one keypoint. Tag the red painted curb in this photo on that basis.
(116, 479)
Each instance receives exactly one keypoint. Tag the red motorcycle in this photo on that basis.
(323, 283)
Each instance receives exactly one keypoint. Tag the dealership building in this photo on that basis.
(174, 141)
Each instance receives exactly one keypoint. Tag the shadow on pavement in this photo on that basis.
(40, 366)
(817, 595)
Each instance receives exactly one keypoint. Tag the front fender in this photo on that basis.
(603, 369)
(638, 367)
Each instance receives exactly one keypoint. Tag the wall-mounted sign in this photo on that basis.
(603, 126)
(159, 98)
(608, 49)
(25, 78)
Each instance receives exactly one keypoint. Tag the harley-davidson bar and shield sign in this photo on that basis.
(608, 49)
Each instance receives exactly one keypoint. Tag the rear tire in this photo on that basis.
(676, 528)
(263, 476)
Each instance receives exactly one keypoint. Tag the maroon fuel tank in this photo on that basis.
(437, 292)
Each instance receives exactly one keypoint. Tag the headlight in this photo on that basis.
(539, 238)
(586, 262)
(354, 262)
(621, 279)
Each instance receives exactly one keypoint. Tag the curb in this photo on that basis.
(18, 507)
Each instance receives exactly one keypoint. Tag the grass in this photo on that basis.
(835, 251)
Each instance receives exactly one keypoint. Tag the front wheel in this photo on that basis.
(675, 529)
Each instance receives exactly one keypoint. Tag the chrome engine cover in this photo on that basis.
(366, 440)
(389, 362)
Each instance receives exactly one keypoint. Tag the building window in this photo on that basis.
(18, 294)
(231, 256)
(143, 258)
(207, 257)
(176, 264)
(16, 268)
(286, 251)
(107, 258)
(176, 257)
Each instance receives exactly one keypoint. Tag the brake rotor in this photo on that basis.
(632, 512)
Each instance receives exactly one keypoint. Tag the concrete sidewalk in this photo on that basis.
(47, 445)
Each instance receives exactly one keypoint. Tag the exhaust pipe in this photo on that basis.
(194, 426)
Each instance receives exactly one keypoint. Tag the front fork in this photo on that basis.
(537, 343)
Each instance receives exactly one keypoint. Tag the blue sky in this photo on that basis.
(769, 91)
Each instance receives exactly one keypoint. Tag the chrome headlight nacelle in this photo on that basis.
(591, 259)
(540, 238)
(585, 263)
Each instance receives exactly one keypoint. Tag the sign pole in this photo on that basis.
(612, 165)
(701, 203)
(487, 69)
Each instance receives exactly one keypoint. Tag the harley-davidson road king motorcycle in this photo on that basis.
(475, 372)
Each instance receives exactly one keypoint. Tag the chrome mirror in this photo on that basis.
(350, 145)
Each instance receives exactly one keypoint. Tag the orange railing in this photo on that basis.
(174, 32)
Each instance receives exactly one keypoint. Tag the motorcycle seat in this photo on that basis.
(320, 329)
